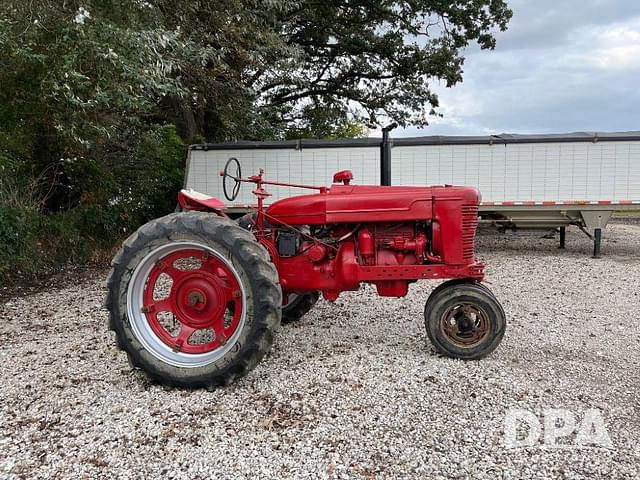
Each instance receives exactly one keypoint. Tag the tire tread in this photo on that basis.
(241, 245)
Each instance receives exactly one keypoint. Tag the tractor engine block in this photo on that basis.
(331, 262)
(392, 244)
(385, 236)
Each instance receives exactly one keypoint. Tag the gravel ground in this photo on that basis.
(353, 390)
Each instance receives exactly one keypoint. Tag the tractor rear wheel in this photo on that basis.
(464, 320)
(194, 300)
(298, 306)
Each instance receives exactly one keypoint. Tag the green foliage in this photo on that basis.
(327, 124)
(81, 70)
(16, 237)
(374, 60)
(90, 91)
(154, 178)
(31, 242)
(108, 209)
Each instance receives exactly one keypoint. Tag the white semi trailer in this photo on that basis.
(526, 181)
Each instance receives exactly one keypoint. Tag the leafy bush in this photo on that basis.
(110, 204)
(31, 241)
(17, 233)
(149, 185)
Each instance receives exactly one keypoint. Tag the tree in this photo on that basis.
(83, 80)
(76, 76)
(311, 65)
(77, 70)
(375, 59)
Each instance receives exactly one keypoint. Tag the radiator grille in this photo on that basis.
(469, 225)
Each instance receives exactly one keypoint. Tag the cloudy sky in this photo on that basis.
(563, 66)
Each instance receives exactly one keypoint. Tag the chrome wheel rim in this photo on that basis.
(147, 333)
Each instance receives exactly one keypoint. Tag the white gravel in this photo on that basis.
(353, 390)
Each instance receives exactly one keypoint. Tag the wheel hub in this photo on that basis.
(465, 325)
(196, 299)
(199, 300)
(205, 302)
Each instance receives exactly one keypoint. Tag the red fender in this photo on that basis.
(192, 200)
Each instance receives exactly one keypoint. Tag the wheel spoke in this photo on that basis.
(163, 305)
(209, 264)
(175, 273)
(158, 306)
(183, 337)
(231, 291)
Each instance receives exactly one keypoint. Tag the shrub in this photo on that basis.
(157, 176)
(110, 204)
(18, 229)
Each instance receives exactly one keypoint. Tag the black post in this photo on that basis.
(597, 236)
(563, 234)
(385, 155)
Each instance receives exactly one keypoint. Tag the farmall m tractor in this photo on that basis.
(195, 297)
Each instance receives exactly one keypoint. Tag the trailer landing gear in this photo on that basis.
(597, 237)
(595, 221)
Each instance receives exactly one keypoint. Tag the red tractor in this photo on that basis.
(195, 296)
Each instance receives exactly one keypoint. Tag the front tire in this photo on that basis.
(464, 320)
(194, 300)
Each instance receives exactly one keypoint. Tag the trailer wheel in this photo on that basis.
(464, 320)
(193, 300)
(298, 306)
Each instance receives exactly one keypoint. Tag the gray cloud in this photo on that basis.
(562, 66)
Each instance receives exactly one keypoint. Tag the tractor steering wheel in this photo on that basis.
(233, 171)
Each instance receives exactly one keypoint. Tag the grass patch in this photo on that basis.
(627, 214)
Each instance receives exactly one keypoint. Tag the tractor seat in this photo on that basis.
(192, 200)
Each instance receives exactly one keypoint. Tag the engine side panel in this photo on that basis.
(349, 204)
(387, 236)
(363, 203)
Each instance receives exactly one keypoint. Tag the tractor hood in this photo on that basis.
(366, 203)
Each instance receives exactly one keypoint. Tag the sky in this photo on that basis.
(562, 66)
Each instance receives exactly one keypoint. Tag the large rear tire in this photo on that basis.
(194, 300)
(298, 306)
(464, 320)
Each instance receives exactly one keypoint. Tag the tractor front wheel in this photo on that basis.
(193, 300)
(464, 320)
